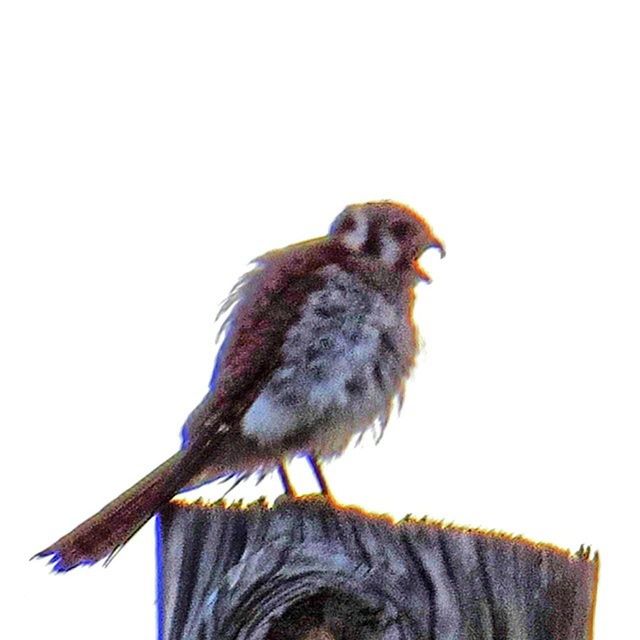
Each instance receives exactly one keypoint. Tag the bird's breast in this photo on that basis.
(343, 362)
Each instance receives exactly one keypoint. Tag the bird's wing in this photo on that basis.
(265, 303)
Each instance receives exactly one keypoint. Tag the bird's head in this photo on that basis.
(387, 231)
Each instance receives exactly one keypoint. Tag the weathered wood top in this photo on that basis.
(308, 569)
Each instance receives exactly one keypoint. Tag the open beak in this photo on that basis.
(434, 243)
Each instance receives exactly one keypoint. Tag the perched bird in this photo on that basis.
(318, 342)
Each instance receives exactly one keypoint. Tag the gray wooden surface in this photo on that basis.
(306, 569)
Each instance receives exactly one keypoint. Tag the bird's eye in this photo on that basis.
(400, 229)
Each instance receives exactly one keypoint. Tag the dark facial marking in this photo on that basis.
(400, 229)
(372, 246)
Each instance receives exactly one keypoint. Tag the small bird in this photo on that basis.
(318, 343)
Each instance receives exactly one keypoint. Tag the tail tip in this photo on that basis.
(59, 561)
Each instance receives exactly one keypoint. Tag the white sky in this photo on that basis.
(149, 150)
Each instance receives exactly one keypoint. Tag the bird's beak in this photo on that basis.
(437, 244)
(433, 243)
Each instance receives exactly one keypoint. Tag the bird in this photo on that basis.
(317, 345)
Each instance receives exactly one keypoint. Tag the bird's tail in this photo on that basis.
(105, 532)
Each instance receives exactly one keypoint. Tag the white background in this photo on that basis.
(150, 150)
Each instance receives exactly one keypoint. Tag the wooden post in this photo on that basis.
(309, 570)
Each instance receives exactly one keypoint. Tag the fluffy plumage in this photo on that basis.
(318, 342)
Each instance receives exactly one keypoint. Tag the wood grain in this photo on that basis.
(306, 568)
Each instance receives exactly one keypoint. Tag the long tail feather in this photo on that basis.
(213, 451)
(104, 533)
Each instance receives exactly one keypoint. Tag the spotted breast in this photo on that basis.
(344, 362)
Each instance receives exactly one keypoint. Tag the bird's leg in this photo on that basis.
(317, 472)
(286, 483)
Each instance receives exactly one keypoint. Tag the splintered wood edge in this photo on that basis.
(582, 554)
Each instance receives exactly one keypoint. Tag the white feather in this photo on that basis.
(355, 239)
